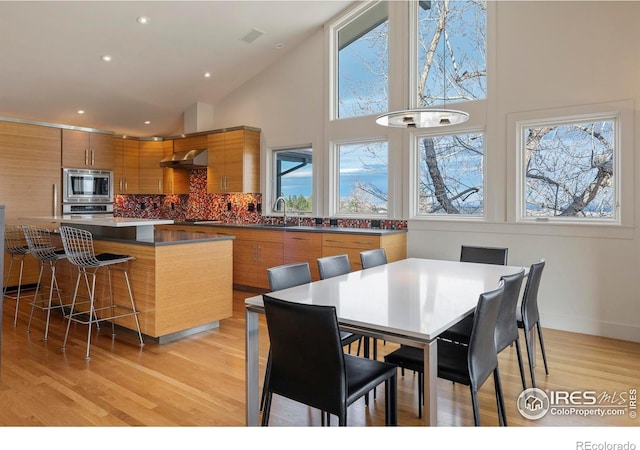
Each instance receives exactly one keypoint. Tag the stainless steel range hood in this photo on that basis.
(187, 159)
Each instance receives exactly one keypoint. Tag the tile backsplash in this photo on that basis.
(228, 208)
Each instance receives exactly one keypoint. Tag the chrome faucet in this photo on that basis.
(284, 208)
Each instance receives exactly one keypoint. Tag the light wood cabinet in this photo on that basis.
(30, 180)
(190, 143)
(150, 173)
(84, 149)
(175, 181)
(300, 247)
(125, 167)
(233, 161)
(255, 250)
(395, 246)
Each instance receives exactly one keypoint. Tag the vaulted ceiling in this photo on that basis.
(52, 67)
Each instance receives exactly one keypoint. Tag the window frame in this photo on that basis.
(621, 113)
(335, 28)
(269, 192)
(335, 179)
(415, 176)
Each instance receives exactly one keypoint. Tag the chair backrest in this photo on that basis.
(332, 266)
(373, 258)
(482, 356)
(506, 324)
(529, 307)
(486, 255)
(288, 275)
(307, 360)
(78, 246)
(14, 240)
(40, 244)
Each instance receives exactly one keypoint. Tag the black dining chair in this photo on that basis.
(471, 364)
(309, 364)
(284, 277)
(332, 266)
(529, 317)
(486, 255)
(506, 326)
(372, 258)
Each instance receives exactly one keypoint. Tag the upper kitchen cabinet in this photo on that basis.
(234, 161)
(84, 149)
(29, 170)
(175, 181)
(150, 172)
(190, 143)
(155, 179)
(125, 168)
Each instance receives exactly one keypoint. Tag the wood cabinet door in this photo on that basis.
(269, 255)
(118, 164)
(245, 262)
(82, 149)
(130, 163)
(301, 247)
(75, 149)
(215, 163)
(190, 143)
(150, 175)
(100, 151)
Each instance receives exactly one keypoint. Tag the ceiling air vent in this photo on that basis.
(252, 35)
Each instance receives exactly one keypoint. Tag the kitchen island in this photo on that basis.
(182, 282)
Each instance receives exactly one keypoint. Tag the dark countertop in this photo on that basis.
(162, 237)
(302, 228)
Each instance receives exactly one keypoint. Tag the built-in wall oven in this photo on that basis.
(87, 191)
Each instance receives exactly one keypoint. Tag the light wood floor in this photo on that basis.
(199, 381)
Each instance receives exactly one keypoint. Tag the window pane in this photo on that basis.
(362, 64)
(451, 176)
(293, 169)
(451, 35)
(569, 170)
(363, 178)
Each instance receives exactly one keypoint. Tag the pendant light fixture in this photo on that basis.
(423, 117)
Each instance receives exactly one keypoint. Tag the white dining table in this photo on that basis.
(410, 301)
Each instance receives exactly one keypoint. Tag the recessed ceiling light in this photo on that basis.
(106, 58)
(143, 20)
(207, 74)
(147, 122)
(279, 46)
(81, 111)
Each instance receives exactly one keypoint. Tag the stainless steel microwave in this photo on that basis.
(87, 186)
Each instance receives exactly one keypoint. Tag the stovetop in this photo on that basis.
(202, 221)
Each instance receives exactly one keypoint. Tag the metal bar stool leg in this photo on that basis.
(35, 298)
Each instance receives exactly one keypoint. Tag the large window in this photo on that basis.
(293, 178)
(362, 178)
(569, 169)
(451, 50)
(450, 178)
(362, 60)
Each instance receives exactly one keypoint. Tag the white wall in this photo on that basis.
(547, 55)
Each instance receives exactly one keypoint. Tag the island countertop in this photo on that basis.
(103, 220)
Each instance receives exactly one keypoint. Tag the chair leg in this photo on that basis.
(265, 383)
(391, 401)
(35, 299)
(520, 364)
(474, 403)
(420, 393)
(71, 311)
(531, 357)
(502, 411)
(267, 409)
(544, 354)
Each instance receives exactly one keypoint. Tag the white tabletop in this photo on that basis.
(416, 298)
(102, 220)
